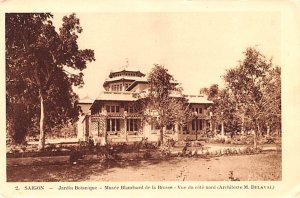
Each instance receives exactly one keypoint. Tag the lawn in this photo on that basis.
(259, 167)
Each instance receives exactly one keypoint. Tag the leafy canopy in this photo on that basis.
(43, 65)
(163, 103)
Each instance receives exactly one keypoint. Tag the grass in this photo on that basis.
(260, 167)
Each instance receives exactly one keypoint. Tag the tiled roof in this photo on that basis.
(197, 99)
(116, 96)
(86, 99)
(130, 96)
(191, 98)
(135, 78)
(140, 81)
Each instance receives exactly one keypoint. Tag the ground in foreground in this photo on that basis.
(260, 167)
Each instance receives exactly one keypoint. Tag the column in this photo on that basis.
(110, 124)
(98, 129)
(125, 128)
(89, 125)
(204, 126)
(222, 125)
(196, 127)
(105, 126)
(125, 125)
(86, 128)
(210, 122)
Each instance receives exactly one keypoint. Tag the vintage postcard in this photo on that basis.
(138, 98)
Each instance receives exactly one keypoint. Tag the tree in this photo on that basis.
(163, 103)
(212, 92)
(254, 85)
(223, 108)
(271, 112)
(43, 65)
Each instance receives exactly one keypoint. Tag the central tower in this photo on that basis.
(121, 80)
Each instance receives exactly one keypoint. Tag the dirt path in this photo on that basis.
(252, 167)
(248, 167)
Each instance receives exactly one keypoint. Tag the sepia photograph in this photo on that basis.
(116, 100)
(154, 97)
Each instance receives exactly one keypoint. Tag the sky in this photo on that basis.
(196, 47)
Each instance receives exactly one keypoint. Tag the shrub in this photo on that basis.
(242, 139)
(251, 150)
(180, 143)
(220, 140)
(165, 151)
(217, 139)
(50, 147)
(75, 155)
(18, 148)
(147, 154)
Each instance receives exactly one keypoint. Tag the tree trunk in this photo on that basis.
(161, 136)
(242, 127)
(41, 145)
(210, 126)
(222, 129)
(258, 131)
(268, 130)
(279, 132)
(254, 139)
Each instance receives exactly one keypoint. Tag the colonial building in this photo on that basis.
(113, 113)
